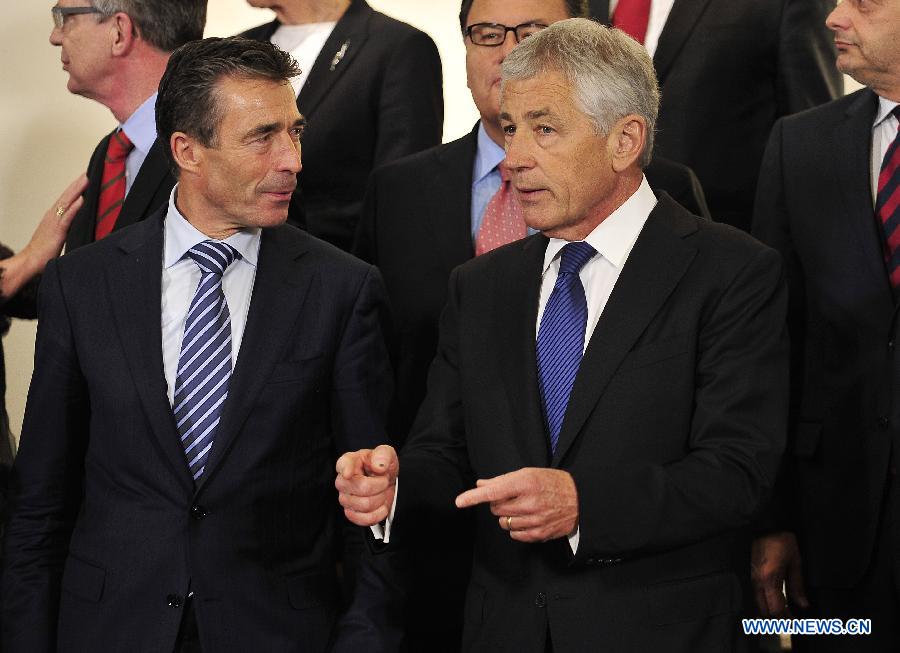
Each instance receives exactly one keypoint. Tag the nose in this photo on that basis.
(288, 158)
(518, 152)
(56, 36)
(837, 20)
(509, 42)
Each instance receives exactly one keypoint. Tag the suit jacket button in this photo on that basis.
(198, 512)
(890, 345)
(173, 601)
(540, 600)
(883, 422)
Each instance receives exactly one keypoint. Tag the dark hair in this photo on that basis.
(575, 8)
(164, 24)
(188, 92)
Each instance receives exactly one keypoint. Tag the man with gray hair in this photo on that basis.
(115, 52)
(608, 395)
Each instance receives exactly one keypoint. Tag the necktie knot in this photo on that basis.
(213, 257)
(119, 146)
(574, 256)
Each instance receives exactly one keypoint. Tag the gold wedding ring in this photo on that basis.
(60, 210)
(509, 523)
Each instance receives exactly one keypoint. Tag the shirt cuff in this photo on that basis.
(382, 531)
(573, 540)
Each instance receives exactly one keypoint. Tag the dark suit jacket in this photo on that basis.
(381, 100)
(149, 191)
(108, 533)
(417, 227)
(815, 206)
(728, 69)
(673, 433)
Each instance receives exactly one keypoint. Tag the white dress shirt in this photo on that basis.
(884, 131)
(304, 42)
(140, 128)
(181, 275)
(614, 238)
(659, 14)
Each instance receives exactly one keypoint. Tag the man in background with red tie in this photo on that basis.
(728, 69)
(829, 201)
(115, 52)
(609, 395)
(432, 211)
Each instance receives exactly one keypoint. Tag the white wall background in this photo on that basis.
(47, 134)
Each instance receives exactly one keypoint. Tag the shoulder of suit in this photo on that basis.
(834, 110)
(415, 163)
(289, 237)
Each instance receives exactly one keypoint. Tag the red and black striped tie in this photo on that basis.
(112, 186)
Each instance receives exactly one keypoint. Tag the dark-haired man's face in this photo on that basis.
(246, 178)
(483, 63)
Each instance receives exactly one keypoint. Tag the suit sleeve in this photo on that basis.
(411, 109)
(807, 75)
(435, 461)
(47, 479)
(736, 435)
(361, 388)
(771, 225)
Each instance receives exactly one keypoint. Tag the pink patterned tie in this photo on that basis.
(503, 222)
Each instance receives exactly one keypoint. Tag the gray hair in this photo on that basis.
(611, 74)
(164, 24)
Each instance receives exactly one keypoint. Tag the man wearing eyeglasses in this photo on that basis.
(115, 52)
(430, 212)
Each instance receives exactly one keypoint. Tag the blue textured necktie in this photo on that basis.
(204, 365)
(560, 341)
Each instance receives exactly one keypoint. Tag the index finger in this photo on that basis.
(351, 463)
(489, 490)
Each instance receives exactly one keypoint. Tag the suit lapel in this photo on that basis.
(153, 173)
(451, 225)
(655, 266)
(135, 284)
(516, 293)
(279, 290)
(681, 22)
(346, 40)
(853, 137)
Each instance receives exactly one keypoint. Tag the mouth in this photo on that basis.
(527, 194)
(280, 195)
(842, 45)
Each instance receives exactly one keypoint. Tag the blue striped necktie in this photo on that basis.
(560, 341)
(204, 365)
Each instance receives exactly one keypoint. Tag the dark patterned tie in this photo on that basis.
(560, 341)
(887, 204)
(112, 185)
(204, 365)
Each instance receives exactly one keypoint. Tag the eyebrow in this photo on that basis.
(531, 115)
(269, 128)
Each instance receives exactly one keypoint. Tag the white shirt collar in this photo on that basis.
(615, 236)
(181, 235)
(885, 107)
(141, 125)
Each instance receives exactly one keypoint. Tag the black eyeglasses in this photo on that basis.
(494, 34)
(61, 13)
